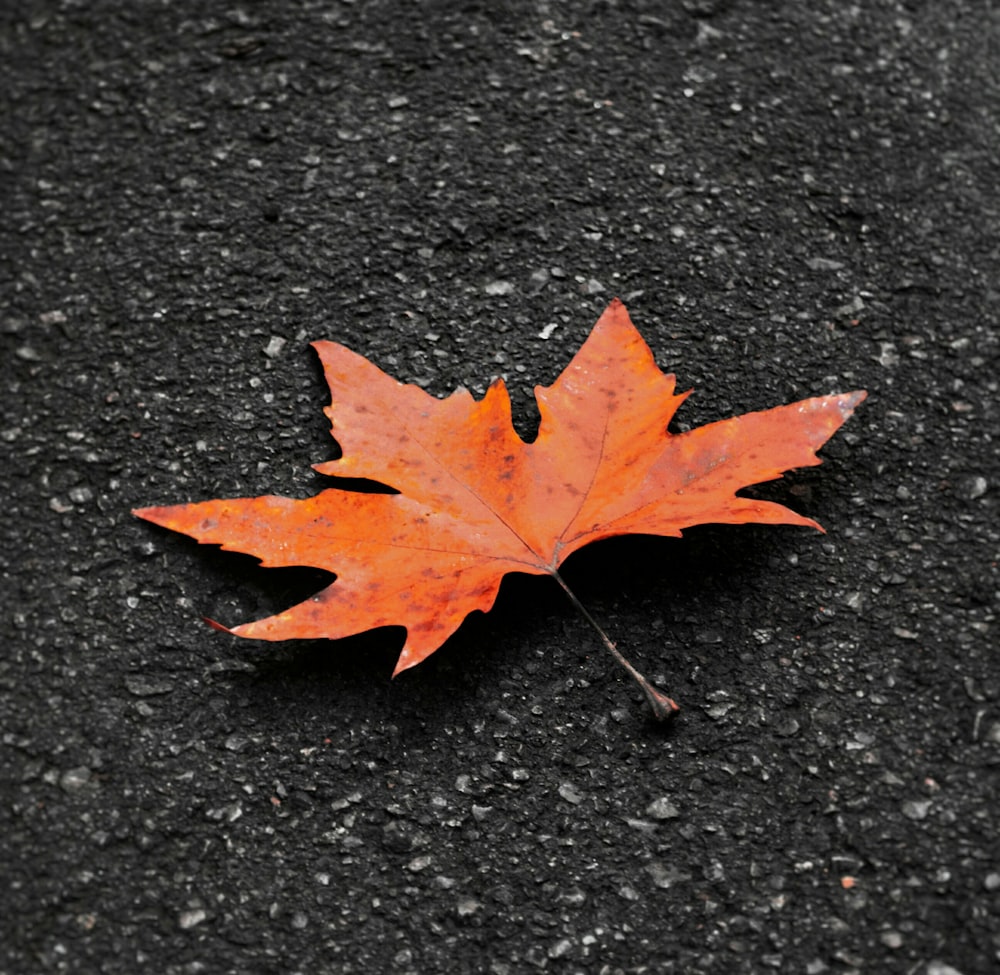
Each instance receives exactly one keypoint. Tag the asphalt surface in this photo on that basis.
(792, 199)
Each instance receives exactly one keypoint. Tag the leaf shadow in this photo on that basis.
(463, 680)
(651, 594)
(705, 563)
(683, 610)
(353, 676)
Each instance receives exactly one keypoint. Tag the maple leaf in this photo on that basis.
(476, 502)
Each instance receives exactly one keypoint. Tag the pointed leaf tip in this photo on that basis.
(848, 401)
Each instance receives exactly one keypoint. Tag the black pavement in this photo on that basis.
(792, 199)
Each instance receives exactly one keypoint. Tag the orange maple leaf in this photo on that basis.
(476, 502)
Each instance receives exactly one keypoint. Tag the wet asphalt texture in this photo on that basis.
(792, 199)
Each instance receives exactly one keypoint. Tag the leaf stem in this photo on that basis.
(663, 706)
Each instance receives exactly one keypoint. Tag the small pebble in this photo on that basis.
(274, 346)
(823, 264)
(147, 687)
(662, 808)
(74, 779)
(467, 906)
(190, 919)
(561, 948)
(971, 487)
(571, 793)
(916, 809)
(499, 288)
(940, 968)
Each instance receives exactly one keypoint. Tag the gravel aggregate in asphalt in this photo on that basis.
(791, 198)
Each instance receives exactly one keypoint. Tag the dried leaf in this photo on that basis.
(476, 502)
